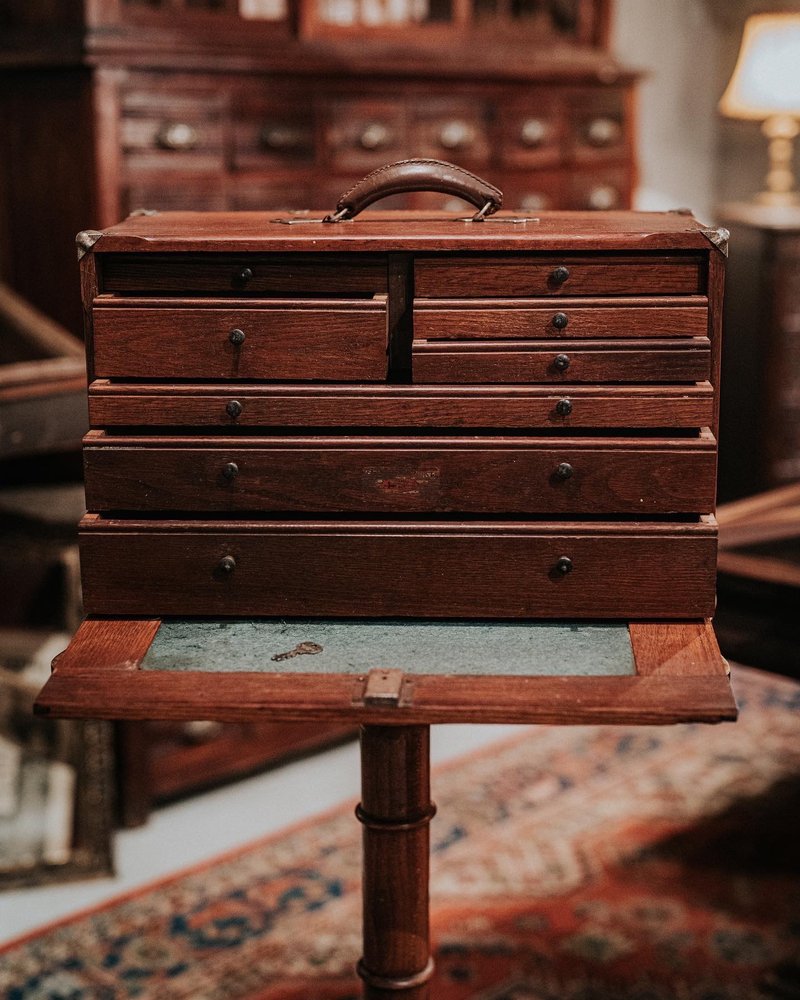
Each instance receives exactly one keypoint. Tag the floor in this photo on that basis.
(185, 833)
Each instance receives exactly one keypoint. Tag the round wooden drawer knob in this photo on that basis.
(236, 337)
(230, 471)
(560, 321)
(564, 565)
(227, 564)
(559, 275)
(234, 408)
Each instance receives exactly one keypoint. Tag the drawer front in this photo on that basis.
(486, 362)
(534, 191)
(598, 127)
(251, 274)
(344, 341)
(529, 276)
(494, 476)
(455, 130)
(689, 406)
(204, 194)
(481, 319)
(164, 129)
(599, 190)
(532, 132)
(399, 570)
(363, 135)
(276, 134)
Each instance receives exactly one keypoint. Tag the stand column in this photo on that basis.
(396, 811)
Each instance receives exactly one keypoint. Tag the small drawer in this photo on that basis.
(340, 341)
(270, 136)
(362, 135)
(533, 132)
(598, 127)
(534, 191)
(486, 319)
(204, 194)
(468, 569)
(453, 130)
(592, 361)
(257, 406)
(249, 274)
(172, 130)
(492, 475)
(599, 190)
(480, 276)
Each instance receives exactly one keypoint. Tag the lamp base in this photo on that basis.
(778, 199)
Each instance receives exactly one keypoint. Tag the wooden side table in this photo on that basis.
(395, 678)
(760, 408)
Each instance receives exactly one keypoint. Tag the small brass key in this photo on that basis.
(299, 650)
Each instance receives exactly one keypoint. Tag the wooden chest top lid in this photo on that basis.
(398, 231)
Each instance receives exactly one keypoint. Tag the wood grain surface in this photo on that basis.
(340, 341)
(491, 474)
(375, 569)
(398, 406)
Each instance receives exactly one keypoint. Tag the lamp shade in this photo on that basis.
(766, 80)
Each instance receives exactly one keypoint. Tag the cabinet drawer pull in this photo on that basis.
(560, 321)
(564, 407)
(282, 137)
(375, 136)
(236, 337)
(234, 408)
(456, 135)
(564, 565)
(602, 198)
(533, 132)
(559, 275)
(561, 362)
(230, 471)
(177, 135)
(603, 131)
(243, 275)
(564, 470)
(227, 564)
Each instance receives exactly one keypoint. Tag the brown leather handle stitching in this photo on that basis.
(405, 176)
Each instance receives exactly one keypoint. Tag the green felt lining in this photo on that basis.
(538, 649)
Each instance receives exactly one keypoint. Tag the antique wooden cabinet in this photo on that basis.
(107, 106)
(402, 416)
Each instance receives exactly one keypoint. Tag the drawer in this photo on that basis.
(250, 405)
(500, 475)
(600, 190)
(252, 274)
(488, 361)
(530, 275)
(200, 193)
(163, 129)
(339, 340)
(364, 134)
(529, 319)
(452, 130)
(598, 126)
(533, 132)
(270, 135)
(418, 569)
(534, 191)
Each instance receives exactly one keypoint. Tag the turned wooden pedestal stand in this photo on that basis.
(481, 672)
(396, 811)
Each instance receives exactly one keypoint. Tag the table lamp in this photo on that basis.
(765, 86)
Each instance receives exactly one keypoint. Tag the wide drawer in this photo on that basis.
(529, 319)
(528, 275)
(339, 340)
(251, 274)
(430, 569)
(487, 361)
(383, 475)
(249, 405)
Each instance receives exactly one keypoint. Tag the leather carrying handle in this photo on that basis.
(417, 175)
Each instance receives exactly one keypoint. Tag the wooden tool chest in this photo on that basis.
(404, 416)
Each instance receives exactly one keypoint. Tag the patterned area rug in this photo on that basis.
(586, 863)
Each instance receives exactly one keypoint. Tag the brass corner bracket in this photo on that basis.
(719, 237)
(85, 240)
